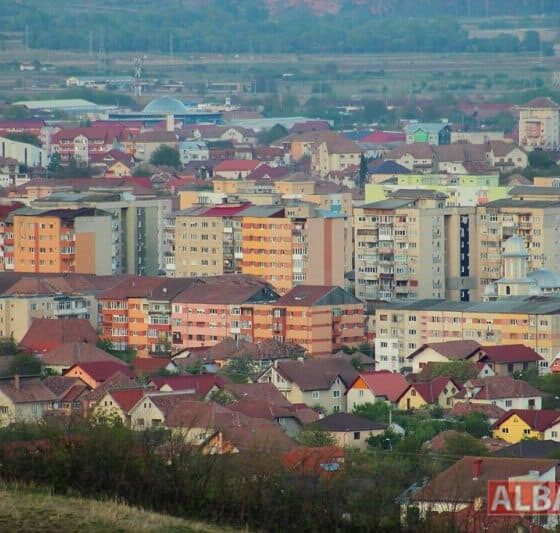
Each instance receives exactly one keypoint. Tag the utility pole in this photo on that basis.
(171, 46)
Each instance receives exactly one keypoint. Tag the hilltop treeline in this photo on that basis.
(232, 26)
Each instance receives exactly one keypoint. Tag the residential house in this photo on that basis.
(68, 354)
(439, 391)
(416, 157)
(350, 431)
(371, 387)
(503, 391)
(94, 374)
(154, 409)
(193, 151)
(149, 366)
(143, 145)
(539, 124)
(324, 461)
(119, 403)
(118, 381)
(453, 158)
(114, 163)
(442, 352)
(505, 360)
(431, 133)
(47, 334)
(24, 400)
(460, 492)
(333, 152)
(492, 412)
(236, 168)
(520, 424)
(320, 382)
(506, 156)
(69, 393)
(201, 385)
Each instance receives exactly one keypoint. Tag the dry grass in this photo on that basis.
(25, 510)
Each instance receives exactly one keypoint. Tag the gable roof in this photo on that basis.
(317, 374)
(502, 148)
(61, 385)
(513, 353)
(71, 353)
(102, 370)
(166, 401)
(416, 150)
(530, 448)
(388, 167)
(390, 385)
(344, 422)
(431, 390)
(466, 408)
(150, 365)
(200, 384)
(456, 484)
(543, 102)
(118, 381)
(29, 391)
(500, 387)
(126, 399)
(454, 350)
(536, 419)
(316, 295)
(46, 334)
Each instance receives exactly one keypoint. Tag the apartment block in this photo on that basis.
(401, 327)
(291, 251)
(539, 124)
(535, 221)
(412, 246)
(322, 319)
(137, 245)
(62, 240)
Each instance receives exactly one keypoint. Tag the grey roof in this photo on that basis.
(391, 203)
(413, 194)
(530, 449)
(537, 305)
(510, 202)
(545, 278)
(430, 127)
(531, 189)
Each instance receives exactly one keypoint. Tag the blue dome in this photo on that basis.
(544, 278)
(165, 105)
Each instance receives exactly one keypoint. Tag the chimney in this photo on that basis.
(17, 384)
(476, 469)
(169, 123)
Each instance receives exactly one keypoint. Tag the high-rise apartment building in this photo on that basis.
(411, 246)
(539, 124)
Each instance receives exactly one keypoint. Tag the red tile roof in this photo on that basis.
(317, 374)
(431, 390)
(543, 102)
(102, 370)
(314, 460)
(71, 353)
(451, 349)
(382, 137)
(466, 408)
(225, 211)
(236, 165)
(126, 399)
(513, 353)
(143, 366)
(537, 419)
(47, 334)
(390, 385)
(201, 384)
(499, 387)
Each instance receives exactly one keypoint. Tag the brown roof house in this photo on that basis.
(155, 408)
(463, 487)
(501, 391)
(442, 352)
(69, 393)
(46, 334)
(24, 400)
(320, 382)
(350, 431)
(68, 354)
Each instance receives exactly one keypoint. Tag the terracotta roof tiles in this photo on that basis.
(46, 334)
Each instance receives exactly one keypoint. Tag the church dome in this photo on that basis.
(545, 279)
(515, 247)
(165, 105)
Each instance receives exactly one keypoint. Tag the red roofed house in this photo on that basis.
(68, 354)
(148, 366)
(201, 385)
(519, 424)
(114, 163)
(438, 391)
(46, 334)
(443, 352)
(505, 360)
(370, 387)
(119, 403)
(385, 137)
(236, 168)
(325, 461)
(94, 374)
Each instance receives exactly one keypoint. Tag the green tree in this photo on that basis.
(460, 370)
(376, 412)
(540, 159)
(476, 424)
(239, 369)
(24, 365)
(316, 438)
(363, 173)
(267, 137)
(166, 156)
(461, 444)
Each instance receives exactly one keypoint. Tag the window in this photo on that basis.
(336, 394)
(505, 430)
(315, 395)
(356, 435)
(336, 408)
(508, 403)
(526, 431)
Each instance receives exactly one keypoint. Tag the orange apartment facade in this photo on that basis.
(60, 241)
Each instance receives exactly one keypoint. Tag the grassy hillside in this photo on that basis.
(25, 510)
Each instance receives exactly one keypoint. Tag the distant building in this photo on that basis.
(539, 124)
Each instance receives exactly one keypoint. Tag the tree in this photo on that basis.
(363, 172)
(316, 438)
(461, 370)
(239, 369)
(24, 365)
(267, 137)
(476, 424)
(461, 444)
(376, 412)
(166, 156)
(540, 159)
